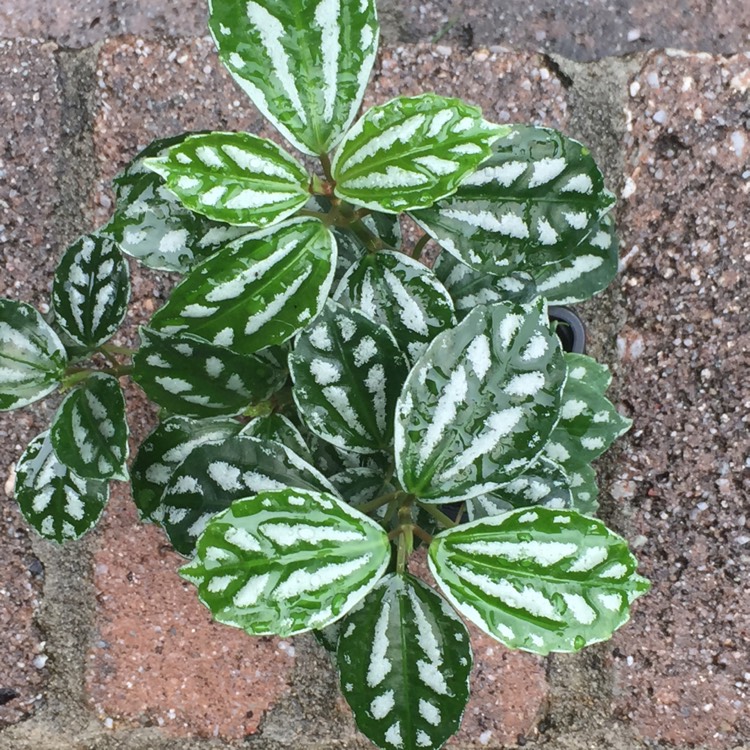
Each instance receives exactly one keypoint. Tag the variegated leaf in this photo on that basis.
(361, 484)
(164, 450)
(59, 504)
(91, 290)
(215, 474)
(588, 425)
(347, 372)
(236, 178)
(152, 226)
(538, 579)
(277, 427)
(479, 405)
(304, 63)
(328, 637)
(32, 357)
(585, 271)
(188, 376)
(411, 151)
(534, 199)
(257, 291)
(588, 371)
(287, 561)
(89, 432)
(404, 660)
(469, 288)
(402, 294)
(544, 484)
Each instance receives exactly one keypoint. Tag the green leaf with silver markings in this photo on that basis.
(59, 504)
(544, 484)
(469, 288)
(287, 561)
(164, 450)
(411, 151)
(32, 357)
(361, 484)
(479, 405)
(537, 196)
(538, 579)
(257, 291)
(235, 178)
(585, 271)
(392, 289)
(583, 488)
(186, 375)
(279, 428)
(89, 432)
(152, 226)
(589, 372)
(304, 63)
(404, 660)
(91, 290)
(347, 372)
(215, 474)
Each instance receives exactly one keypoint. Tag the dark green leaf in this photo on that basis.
(277, 427)
(32, 357)
(404, 661)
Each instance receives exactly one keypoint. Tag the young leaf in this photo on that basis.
(404, 661)
(402, 294)
(257, 291)
(187, 375)
(59, 504)
(347, 372)
(544, 484)
(152, 226)
(278, 428)
(287, 561)
(469, 288)
(236, 178)
(164, 450)
(32, 357)
(91, 290)
(479, 405)
(538, 579)
(215, 474)
(585, 271)
(412, 151)
(89, 432)
(304, 63)
(535, 198)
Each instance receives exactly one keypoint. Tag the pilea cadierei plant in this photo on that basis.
(326, 398)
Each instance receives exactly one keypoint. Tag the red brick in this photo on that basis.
(682, 673)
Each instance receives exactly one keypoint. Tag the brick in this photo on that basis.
(681, 667)
(30, 110)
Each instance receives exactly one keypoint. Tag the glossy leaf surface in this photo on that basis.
(215, 474)
(404, 660)
(164, 450)
(152, 226)
(188, 376)
(59, 504)
(279, 428)
(287, 561)
(479, 405)
(32, 357)
(89, 432)
(304, 63)
(257, 291)
(534, 199)
(236, 178)
(347, 373)
(410, 152)
(538, 579)
(91, 290)
(402, 294)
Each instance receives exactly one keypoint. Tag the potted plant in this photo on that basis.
(324, 394)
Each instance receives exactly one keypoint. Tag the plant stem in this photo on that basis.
(440, 517)
(378, 502)
(371, 241)
(325, 162)
(419, 247)
(422, 534)
(115, 349)
(74, 376)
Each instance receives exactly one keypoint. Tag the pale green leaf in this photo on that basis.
(287, 561)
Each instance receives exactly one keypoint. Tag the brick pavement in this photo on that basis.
(140, 665)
